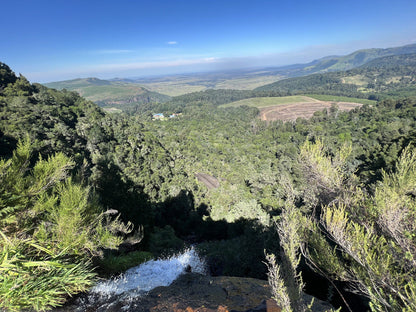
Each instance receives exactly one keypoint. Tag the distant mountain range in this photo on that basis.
(132, 91)
(393, 75)
(350, 61)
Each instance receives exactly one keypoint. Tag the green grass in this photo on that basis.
(112, 110)
(358, 80)
(333, 98)
(247, 83)
(268, 101)
(179, 85)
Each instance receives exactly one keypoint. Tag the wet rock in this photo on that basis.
(192, 292)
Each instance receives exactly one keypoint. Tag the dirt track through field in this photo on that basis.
(290, 112)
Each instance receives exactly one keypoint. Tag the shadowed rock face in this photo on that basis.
(216, 293)
(193, 292)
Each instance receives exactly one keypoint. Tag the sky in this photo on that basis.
(51, 40)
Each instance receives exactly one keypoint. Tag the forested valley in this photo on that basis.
(327, 203)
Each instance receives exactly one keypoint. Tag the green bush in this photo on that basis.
(50, 228)
(115, 264)
(163, 240)
(366, 240)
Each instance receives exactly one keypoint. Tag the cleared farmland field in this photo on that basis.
(269, 101)
(289, 108)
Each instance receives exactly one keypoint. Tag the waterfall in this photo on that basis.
(121, 292)
(151, 274)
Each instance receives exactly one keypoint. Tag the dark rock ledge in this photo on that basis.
(198, 293)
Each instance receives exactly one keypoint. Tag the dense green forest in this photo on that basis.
(332, 196)
(378, 79)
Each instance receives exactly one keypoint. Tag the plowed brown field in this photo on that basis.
(290, 112)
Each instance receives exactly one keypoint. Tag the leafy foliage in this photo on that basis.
(50, 229)
(374, 254)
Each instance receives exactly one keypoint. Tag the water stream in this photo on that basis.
(137, 281)
(151, 274)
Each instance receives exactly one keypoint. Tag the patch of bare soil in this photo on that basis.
(290, 112)
(209, 181)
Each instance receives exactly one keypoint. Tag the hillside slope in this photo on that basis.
(385, 76)
(347, 62)
(110, 93)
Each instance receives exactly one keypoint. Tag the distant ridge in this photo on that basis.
(361, 57)
(340, 63)
(392, 75)
(77, 83)
(116, 93)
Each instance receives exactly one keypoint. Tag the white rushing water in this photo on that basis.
(151, 274)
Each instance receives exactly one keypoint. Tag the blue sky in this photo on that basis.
(65, 39)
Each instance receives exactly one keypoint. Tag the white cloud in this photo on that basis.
(172, 42)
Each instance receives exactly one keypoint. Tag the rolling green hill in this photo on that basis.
(120, 94)
(385, 76)
(77, 83)
(350, 61)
